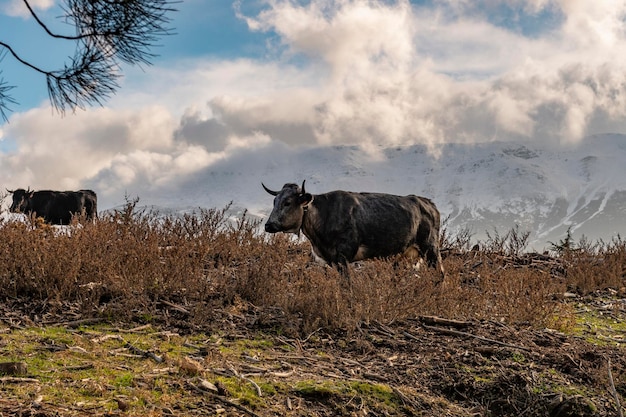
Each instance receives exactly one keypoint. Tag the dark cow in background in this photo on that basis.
(345, 226)
(55, 207)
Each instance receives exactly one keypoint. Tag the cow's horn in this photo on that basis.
(303, 192)
(269, 191)
(10, 191)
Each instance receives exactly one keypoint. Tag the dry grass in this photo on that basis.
(126, 263)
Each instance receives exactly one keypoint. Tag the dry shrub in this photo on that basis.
(386, 290)
(132, 257)
(596, 266)
(493, 291)
(130, 261)
(512, 243)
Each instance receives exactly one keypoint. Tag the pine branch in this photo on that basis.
(5, 99)
(108, 32)
(90, 79)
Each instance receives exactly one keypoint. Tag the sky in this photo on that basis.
(259, 77)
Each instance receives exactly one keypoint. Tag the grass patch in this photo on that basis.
(374, 394)
(602, 324)
(92, 367)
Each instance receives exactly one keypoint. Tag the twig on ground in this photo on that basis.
(143, 353)
(614, 391)
(137, 329)
(403, 397)
(484, 339)
(223, 400)
(374, 377)
(311, 335)
(17, 379)
(254, 384)
(76, 323)
(611, 339)
(79, 367)
(176, 307)
(106, 337)
(444, 322)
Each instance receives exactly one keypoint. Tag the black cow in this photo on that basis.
(55, 207)
(345, 226)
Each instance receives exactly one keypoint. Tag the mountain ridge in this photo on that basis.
(542, 189)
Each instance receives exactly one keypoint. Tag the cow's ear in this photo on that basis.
(305, 199)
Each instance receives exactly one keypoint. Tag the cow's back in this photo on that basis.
(54, 206)
(386, 224)
(378, 211)
(57, 207)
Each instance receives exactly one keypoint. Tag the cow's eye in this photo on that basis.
(287, 203)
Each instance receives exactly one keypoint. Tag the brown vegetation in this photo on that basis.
(130, 262)
(194, 271)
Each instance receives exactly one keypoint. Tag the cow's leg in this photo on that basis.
(343, 269)
(433, 256)
(344, 254)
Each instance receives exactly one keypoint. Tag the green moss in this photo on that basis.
(518, 357)
(377, 393)
(75, 367)
(124, 380)
(243, 390)
(267, 388)
(550, 382)
(258, 343)
(317, 389)
(599, 328)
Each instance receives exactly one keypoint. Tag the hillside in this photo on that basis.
(144, 315)
(480, 187)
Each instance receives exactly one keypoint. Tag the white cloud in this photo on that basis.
(65, 151)
(17, 8)
(370, 73)
(594, 23)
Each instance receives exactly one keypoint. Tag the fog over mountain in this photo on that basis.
(483, 187)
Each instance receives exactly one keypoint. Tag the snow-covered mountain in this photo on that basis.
(482, 187)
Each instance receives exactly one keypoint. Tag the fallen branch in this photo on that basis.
(255, 385)
(444, 322)
(282, 374)
(79, 367)
(17, 379)
(484, 339)
(143, 353)
(404, 398)
(374, 377)
(410, 336)
(138, 329)
(611, 339)
(106, 337)
(614, 391)
(176, 307)
(77, 323)
(223, 400)
(245, 378)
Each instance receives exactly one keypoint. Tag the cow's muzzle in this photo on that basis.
(272, 227)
